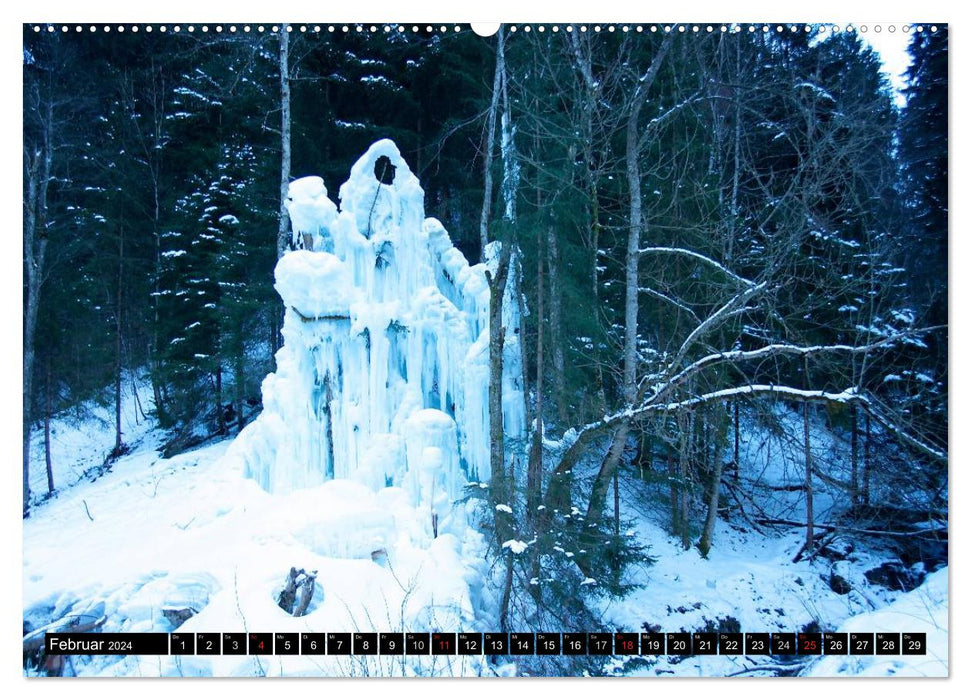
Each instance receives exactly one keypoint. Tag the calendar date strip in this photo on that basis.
(488, 643)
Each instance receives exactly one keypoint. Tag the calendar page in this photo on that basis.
(549, 349)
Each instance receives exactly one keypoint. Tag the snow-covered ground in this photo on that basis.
(192, 532)
(750, 580)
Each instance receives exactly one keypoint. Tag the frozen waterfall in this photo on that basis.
(383, 377)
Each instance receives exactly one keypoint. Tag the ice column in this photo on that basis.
(383, 377)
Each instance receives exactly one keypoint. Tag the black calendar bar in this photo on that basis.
(489, 643)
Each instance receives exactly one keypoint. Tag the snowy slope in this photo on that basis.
(82, 438)
(193, 532)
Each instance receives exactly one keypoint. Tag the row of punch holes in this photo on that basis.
(444, 29)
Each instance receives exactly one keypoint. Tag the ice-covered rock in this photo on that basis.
(383, 378)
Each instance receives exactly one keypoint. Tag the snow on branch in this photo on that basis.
(670, 300)
(697, 256)
(770, 351)
(726, 311)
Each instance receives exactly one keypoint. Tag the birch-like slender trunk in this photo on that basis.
(283, 233)
(631, 287)
(489, 145)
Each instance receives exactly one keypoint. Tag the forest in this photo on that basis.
(710, 237)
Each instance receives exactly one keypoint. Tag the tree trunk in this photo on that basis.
(616, 504)
(220, 418)
(283, 233)
(487, 155)
(47, 432)
(609, 465)
(865, 491)
(556, 328)
(239, 391)
(534, 469)
(510, 163)
(675, 500)
(119, 445)
(506, 595)
(735, 449)
(854, 457)
(809, 479)
(631, 290)
(714, 491)
(501, 487)
(684, 460)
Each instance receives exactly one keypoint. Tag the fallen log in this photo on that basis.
(857, 530)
